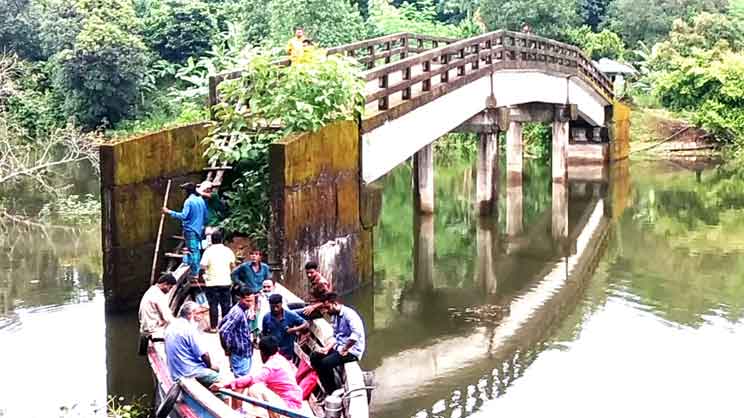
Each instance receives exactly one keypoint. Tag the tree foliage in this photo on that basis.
(596, 45)
(327, 22)
(179, 29)
(102, 74)
(298, 98)
(700, 69)
(550, 19)
(650, 20)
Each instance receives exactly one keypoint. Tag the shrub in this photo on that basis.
(327, 22)
(101, 76)
(299, 98)
(179, 29)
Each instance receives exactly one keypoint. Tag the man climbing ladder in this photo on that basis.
(193, 217)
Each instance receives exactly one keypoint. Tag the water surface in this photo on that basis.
(636, 312)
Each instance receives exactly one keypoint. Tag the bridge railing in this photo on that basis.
(463, 61)
(371, 53)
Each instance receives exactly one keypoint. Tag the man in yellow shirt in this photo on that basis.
(217, 261)
(295, 45)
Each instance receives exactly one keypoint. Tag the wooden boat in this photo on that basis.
(189, 399)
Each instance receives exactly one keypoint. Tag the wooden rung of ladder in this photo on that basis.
(218, 168)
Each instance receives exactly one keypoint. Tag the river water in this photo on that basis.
(638, 312)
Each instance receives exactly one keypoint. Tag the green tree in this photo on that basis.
(102, 75)
(550, 19)
(604, 44)
(179, 29)
(385, 19)
(593, 12)
(327, 22)
(18, 22)
(650, 20)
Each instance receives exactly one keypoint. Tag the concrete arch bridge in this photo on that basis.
(419, 88)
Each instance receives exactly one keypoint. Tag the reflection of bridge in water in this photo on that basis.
(527, 283)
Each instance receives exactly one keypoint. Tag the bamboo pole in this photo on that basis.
(160, 233)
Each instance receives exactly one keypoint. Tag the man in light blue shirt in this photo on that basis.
(193, 217)
(186, 355)
(348, 345)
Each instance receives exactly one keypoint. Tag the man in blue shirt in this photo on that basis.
(348, 345)
(193, 217)
(283, 325)
(236, 333)
(186, 355)
(251, 274)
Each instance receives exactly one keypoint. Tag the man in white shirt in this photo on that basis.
(154, 313)
(218, 261)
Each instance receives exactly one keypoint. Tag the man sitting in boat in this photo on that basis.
(154, 312)
(274, 383)
(236, 333)
(187, 356)
(319, 286)
(283, 325)
(268, 287)
(348, 345)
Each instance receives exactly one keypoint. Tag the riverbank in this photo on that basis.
(660, 134)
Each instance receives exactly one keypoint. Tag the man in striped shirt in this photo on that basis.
(236, 330)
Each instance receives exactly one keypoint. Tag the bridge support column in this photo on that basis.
(423, 179)
(487, 179)
(514, 168)
(560, 149)
(514, 151)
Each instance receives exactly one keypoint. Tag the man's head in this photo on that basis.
(246, 297)
(189, 188)
(311, 270)
(275, 304)
(217, 237)
(299, 32)
(205, 187)
(267, 286)
(190, 311)
(526, 27)
(268, 347)
(331, 304)
(166, 282)
(255, 255)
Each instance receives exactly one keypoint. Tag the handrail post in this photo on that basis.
(406, 93)
(371, 53)
(445, 75)
(426, 84)
(388, 47)
(461, 69)
(383, 103)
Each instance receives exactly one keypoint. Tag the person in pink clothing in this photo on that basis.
(274, 382)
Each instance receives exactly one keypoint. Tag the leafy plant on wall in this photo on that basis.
(267, 103)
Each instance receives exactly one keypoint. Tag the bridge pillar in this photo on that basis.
(423, 179)
(487, 178)
(560, 147)
(514, 149)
